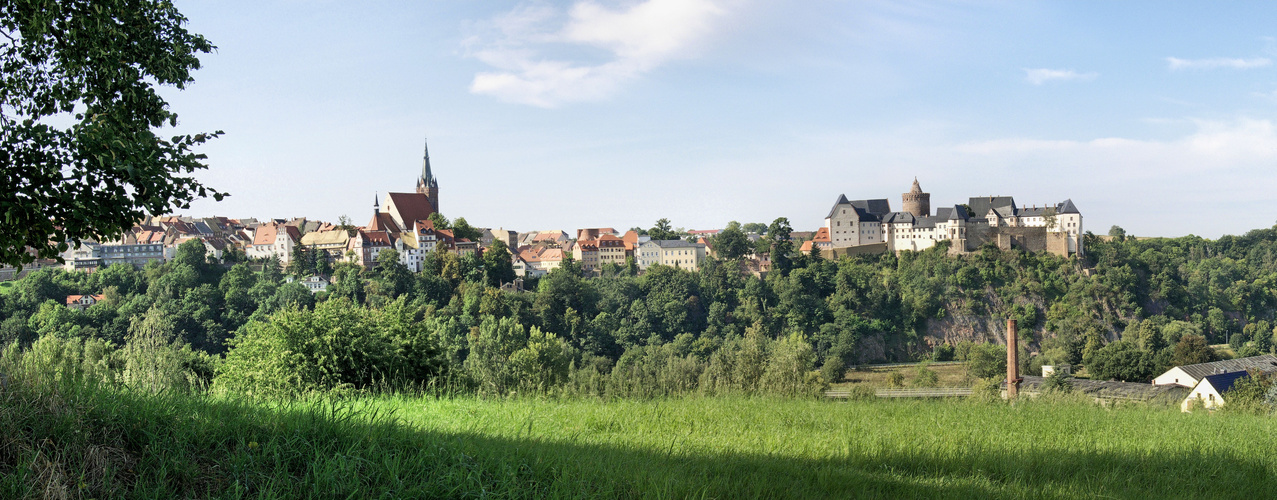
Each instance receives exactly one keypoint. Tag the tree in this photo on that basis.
(781, 246)
(1117, 233)
(731, 243)
(987, 360)
(662, 230)
(497, 267)
(343, 223)
(754, 228)
(79, 121)
(439, 220)
(1192, 349)
(1122, 360)
(1049, 218)
(462, 229)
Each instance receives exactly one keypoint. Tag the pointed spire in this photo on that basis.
(916, 188)
(376, 206)
(427, 177)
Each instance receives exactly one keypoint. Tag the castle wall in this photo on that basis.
(838, 253)
(1030, 239)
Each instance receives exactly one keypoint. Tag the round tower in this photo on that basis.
(916, 202)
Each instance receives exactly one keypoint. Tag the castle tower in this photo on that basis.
(917, 202)
(427, 184)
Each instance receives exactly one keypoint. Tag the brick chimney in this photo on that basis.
(1013, 365)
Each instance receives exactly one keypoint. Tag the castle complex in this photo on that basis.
(867, 226)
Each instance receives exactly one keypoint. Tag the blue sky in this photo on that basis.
(1155, 116)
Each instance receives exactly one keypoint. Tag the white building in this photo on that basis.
(273, 239)
(674, 253)
(1191, 375)
(1211, 390)
(853, 223)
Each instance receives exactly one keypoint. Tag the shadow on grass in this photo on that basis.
(107, 444)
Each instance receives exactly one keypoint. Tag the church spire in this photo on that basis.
(427, 177)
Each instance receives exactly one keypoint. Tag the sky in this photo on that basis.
(1154, 116)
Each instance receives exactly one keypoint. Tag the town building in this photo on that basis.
(673, 253)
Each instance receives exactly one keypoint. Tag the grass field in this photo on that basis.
(84, 444)
(6, 287)
(950, 374)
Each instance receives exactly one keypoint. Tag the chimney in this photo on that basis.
(1013, 365)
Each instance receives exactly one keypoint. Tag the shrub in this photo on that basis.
(896, 379)
(925, 377)
(833, 371)
(943, 352)
(1057, 382)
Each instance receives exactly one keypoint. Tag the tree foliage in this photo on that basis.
(80, 118)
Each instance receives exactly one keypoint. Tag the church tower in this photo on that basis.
(917, 202)
(427, 184)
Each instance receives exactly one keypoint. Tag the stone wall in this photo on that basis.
(1031, 239)
(838, 253)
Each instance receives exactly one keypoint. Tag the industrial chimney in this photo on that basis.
(1013, 363)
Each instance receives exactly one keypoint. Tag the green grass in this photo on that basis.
(6, 287)
(104, 444)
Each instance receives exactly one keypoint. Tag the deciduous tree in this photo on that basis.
(80, 118)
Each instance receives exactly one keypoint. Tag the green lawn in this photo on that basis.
(110, 445)
(6, 287)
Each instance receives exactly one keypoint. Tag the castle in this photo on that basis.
(870, 226)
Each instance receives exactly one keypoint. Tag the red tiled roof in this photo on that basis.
(410, 206)
(71, 299)
(265, 234)
(376, 238)
(382, 222)
(822, 235)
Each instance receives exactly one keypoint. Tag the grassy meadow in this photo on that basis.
(86, 443)
(948, 375)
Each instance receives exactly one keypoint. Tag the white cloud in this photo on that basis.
(633, 41)
(1038, 76)
(1176, 63)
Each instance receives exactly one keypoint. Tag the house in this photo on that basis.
(552, 238)
(316, 283)
(367, 245)
(273, 240)
(1191, 375)
(329, 244)
(82, 302)
(673, 253)
(1211, 390)
(587, 253)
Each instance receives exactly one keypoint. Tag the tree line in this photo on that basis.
(1128, 309)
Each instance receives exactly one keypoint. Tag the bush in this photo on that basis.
(1057, 382)
(833, 371)
(896, 379)
(943, 352)
(925, 377)
(336, 345)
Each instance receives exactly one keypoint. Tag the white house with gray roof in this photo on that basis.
(674, 253)
(1191, 375)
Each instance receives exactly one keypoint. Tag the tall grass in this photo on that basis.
(98, 442)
